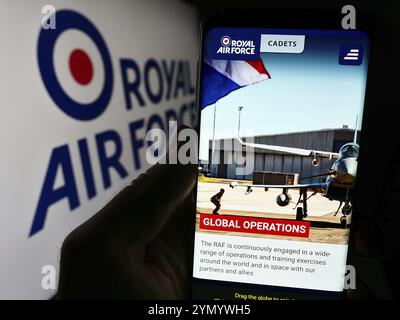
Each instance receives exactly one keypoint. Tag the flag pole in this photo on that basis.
(213, 135)
(240, 108)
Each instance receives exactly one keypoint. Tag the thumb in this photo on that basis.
(139, 211)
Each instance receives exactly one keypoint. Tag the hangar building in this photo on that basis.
(330, 140)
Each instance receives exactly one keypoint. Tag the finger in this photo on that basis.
(141, 209)
(167, 259)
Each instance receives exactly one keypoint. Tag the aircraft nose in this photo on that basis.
(346, 171)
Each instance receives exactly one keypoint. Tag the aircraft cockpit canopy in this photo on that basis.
(349, 150)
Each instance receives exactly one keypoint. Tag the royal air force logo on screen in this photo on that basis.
(237, 46)
(76, 68)
(79, 79)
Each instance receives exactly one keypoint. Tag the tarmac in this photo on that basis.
(324, 228)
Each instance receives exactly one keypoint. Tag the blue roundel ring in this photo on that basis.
(68, 19)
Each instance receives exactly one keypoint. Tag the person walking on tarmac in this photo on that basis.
(216, 200)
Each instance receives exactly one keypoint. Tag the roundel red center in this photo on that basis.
(81, 66)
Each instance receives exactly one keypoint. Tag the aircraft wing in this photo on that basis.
(319, 185)
(296, 151)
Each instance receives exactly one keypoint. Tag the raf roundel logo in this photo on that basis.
(75, 66)
(225, 41)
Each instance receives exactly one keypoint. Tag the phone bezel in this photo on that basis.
(280, 18)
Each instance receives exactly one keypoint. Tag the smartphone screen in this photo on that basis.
(280, 121)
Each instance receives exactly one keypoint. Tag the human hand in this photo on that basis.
(139, 245)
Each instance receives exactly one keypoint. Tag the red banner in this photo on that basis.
(278, 227)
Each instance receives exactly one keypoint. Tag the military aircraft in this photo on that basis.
(339, 183)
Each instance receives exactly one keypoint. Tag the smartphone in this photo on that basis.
(280, 109)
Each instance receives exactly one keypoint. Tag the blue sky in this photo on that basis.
(308, 91)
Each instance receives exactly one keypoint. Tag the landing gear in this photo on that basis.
(301, 212)
(346, 210)
(343, 222)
